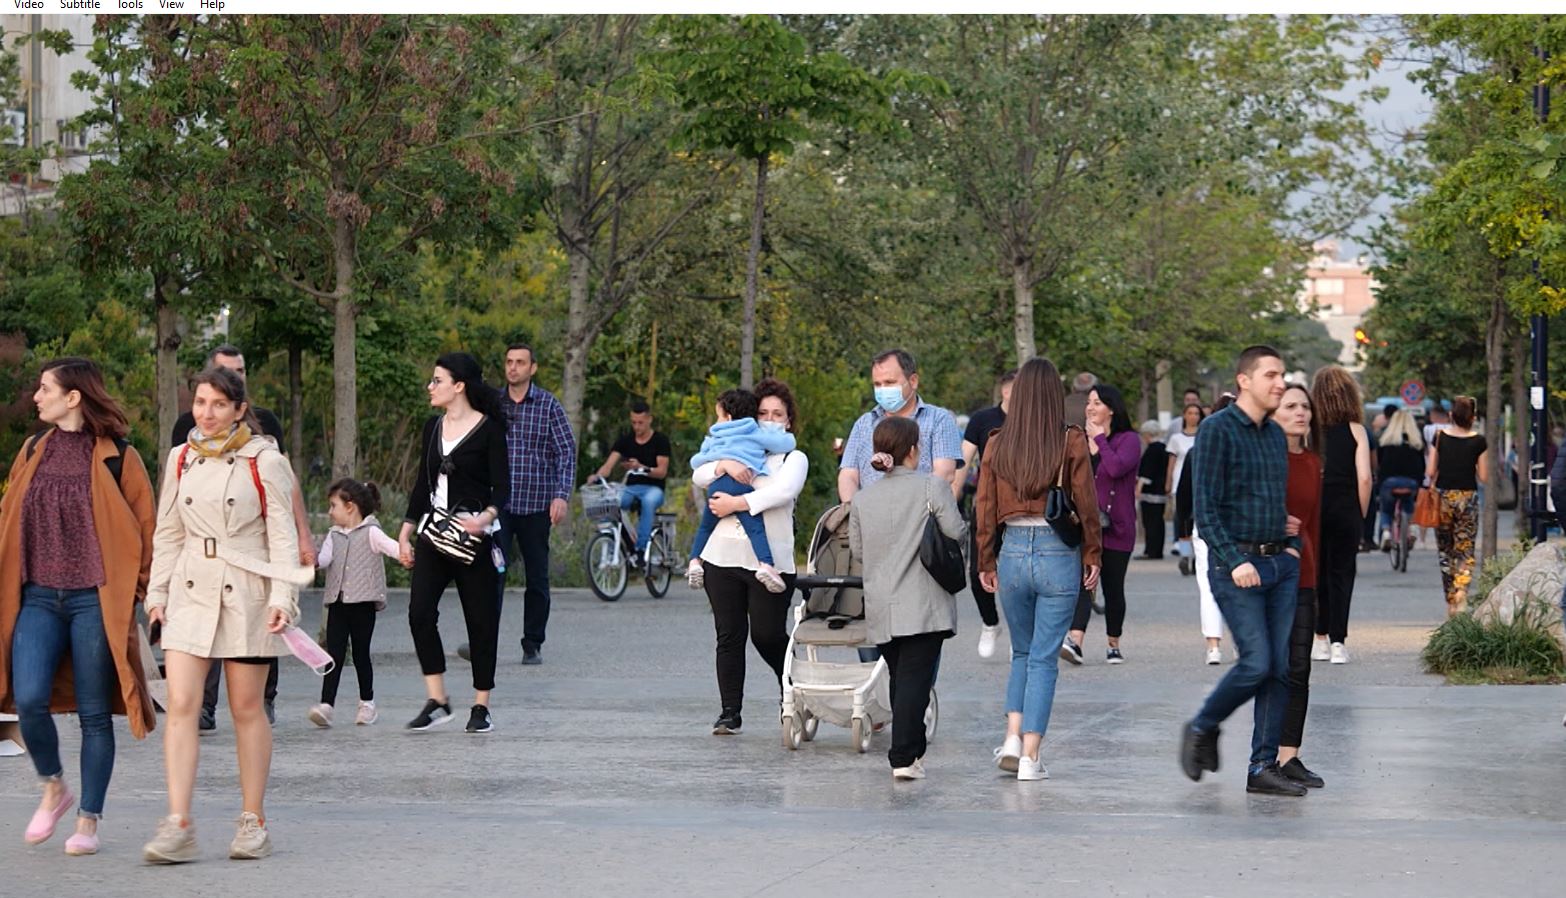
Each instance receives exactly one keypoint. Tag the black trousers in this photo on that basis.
(349, 622)
(1300, 639)
(432, 573)
(531, 534)
(209, 692)
(742, 607)
(981, 596)
(1153, 529)
(912, 662)
(1339, 562)
(1112, 579)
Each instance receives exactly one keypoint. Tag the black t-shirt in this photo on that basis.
(1458, 461)
(647, 453)
(1154, 469)
(1400, 460)
(270, 427)
(980, 424)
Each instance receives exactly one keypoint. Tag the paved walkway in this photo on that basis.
(601, 778)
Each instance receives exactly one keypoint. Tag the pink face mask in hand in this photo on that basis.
(307, 650)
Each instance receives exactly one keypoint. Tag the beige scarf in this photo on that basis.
(212, 447)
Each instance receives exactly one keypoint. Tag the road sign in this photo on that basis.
(1413, 392)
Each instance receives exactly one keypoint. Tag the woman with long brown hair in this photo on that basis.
(75, 548)
(1304, 505)
(1345, 498)
(1034, 572)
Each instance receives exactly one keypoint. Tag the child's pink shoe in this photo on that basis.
(769, 577)
(46, 819)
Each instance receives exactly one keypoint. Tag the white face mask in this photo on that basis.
(776, 426)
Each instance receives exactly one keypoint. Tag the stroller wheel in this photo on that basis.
(861, 731)
(793, 733)
(812, 723)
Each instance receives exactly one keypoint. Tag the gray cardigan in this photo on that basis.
(885, 525)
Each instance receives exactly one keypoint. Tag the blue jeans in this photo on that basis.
(1039, 580)
(1260, 619)
(650, 498)
(1389, 501)
(50, 624)
(755, 527)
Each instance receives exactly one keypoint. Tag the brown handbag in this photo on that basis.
(1427, 509)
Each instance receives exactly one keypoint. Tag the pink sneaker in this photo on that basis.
(769, 577)
(81, 844)
(41, 827)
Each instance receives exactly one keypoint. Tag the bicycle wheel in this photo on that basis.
(1405, 540)
(1398, 526)
(660, 565)
(605, 575)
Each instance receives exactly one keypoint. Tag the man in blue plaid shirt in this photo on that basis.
(542, 454)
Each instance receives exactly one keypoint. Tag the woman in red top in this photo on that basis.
(1304, 504)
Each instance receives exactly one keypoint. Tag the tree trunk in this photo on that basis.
(1144, 397)
(580, 331)
(652, 363)
(1495, 369)
(296, 411)
(345, 372)
(752, 263)
(1166, 393)
(168, 341)
(1522, 377)
(1022, 307)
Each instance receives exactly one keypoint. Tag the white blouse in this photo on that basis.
(773, 498)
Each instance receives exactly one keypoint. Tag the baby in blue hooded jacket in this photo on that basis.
(737, 436)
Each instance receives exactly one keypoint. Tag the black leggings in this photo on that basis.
(912, 662)
(347, 621)
(981, 596)
(742, 607)
(1339, 561)
(1153, 529)
(476, 586)
(1300, 639)
(1113, 580)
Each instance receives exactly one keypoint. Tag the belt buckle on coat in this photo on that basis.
(209, 547)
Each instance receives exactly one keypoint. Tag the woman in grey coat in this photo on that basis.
(907, 613)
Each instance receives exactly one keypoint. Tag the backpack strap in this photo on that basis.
(255, 474)
(179, 463)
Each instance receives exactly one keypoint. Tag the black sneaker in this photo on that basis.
(531, 654)
(207, 723)
(434, 714)
(479, 721)
(1113, 656)
(728, 724)
(1271, 781)
(1198, 751)
(1299, 773)
(1070, 651)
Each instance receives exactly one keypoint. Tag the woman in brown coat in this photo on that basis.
(224, 583)
(75, 548)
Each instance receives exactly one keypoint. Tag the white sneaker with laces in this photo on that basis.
(695, 574)
(1031, 769)
(1215, 655)
(367, 714)
(1318, 649)
(1006, 756)
(769, 577)
(914, 771)
(1339, 654)
(251, 841)
(987, 637)
(321, 715)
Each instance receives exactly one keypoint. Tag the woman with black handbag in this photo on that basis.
(460, 484)
(1035, 476)
(909, 605)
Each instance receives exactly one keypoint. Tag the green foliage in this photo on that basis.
(1520, 650)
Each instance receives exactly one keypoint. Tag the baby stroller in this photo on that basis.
(853, 693)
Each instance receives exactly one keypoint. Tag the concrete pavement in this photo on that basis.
(602, 778)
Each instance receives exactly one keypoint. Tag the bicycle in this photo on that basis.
(1402, 539)
(610, 554)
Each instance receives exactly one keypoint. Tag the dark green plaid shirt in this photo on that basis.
(1240, 482)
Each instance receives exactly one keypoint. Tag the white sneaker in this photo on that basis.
(914, 771)
(251, 841)
(1215, 655)
(1318, 649)
(987, 637)
(1006, 756)
(1339, 654)
(321, 715)
(367, 714)
(695, 575)
(1031, 769)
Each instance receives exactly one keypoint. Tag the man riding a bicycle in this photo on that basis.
(643, 454)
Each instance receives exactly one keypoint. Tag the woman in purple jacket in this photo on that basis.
(1116, 451)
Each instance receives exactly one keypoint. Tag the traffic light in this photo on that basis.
(1361, 337)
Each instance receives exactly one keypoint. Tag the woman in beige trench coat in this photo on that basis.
(224, 584)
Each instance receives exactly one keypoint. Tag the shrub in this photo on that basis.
(1465, 649)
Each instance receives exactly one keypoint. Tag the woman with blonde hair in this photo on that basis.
(1459, 462)
(1345, 499)
(1400, 458)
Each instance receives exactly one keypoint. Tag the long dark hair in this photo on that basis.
(1119, 418)
(232, 386)
(1029, 449)
(465, 369)
(101, 415)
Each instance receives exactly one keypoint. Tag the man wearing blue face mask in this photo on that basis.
(895, 377)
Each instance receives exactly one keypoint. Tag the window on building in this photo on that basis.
(1329, 286)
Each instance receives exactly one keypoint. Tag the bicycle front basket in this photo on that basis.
(601, 501)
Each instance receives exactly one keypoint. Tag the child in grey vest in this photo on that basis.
(355, 590)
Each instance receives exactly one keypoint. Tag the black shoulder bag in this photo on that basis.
(1059, 510)
(941, 555)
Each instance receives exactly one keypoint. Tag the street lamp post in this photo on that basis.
(1538, 474)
